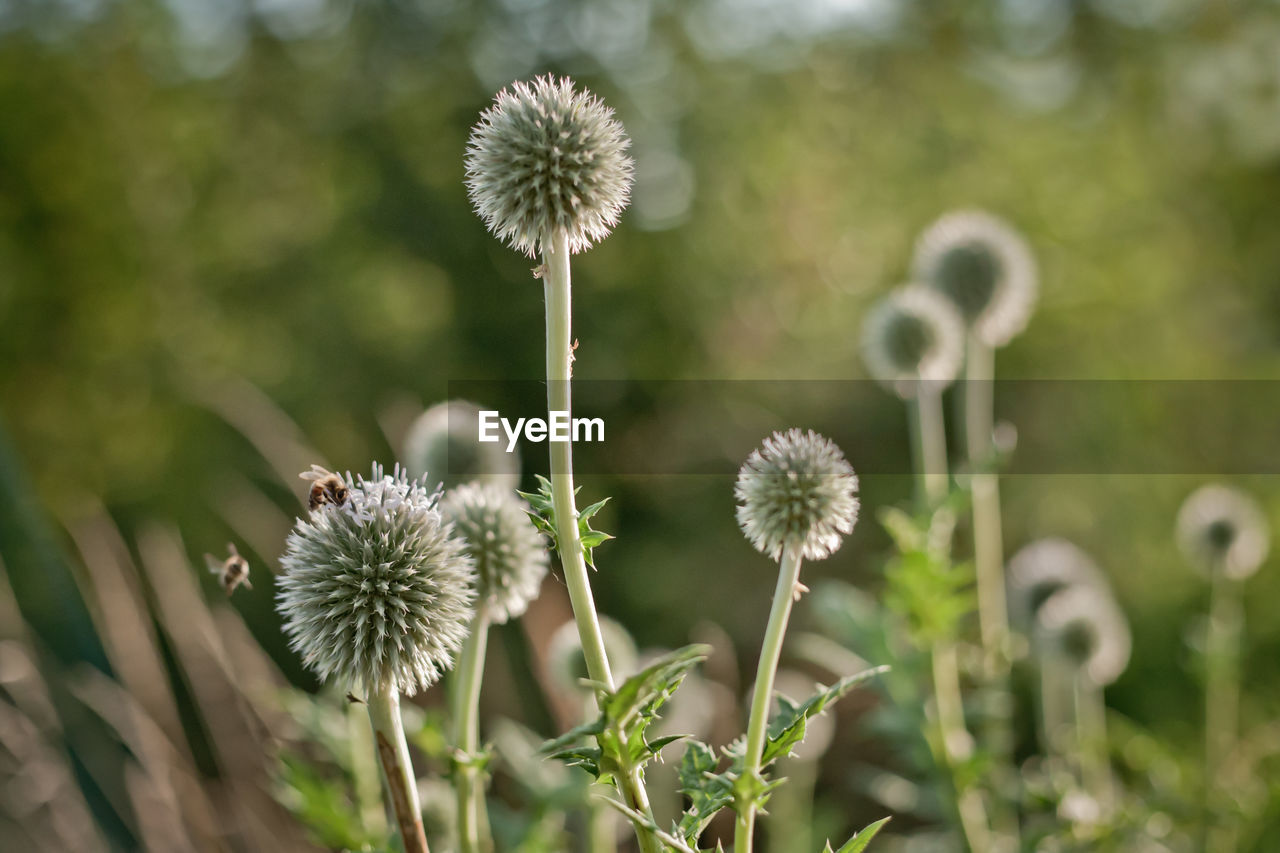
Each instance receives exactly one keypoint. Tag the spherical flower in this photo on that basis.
(509, 553)
(1223, 530)
(376, 591)
(443, 446)
(1085, 626)
(797, 490)
(913, 335)
(984, 267)
(1041, 569)
(546, 159)
(567, 665)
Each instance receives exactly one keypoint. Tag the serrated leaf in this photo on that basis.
(571, 737)
(649, 689)
(708, 792)
(788, 728)
(859, 842)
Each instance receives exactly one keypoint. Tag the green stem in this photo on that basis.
(1222, 696)
(397, 770)
(762, 697)
(1091, 733)
(930, 444)
(466, 720)
(557, 285)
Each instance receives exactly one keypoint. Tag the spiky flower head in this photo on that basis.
(984, 267)
(567, 665)
(546, 158)
(377, 591)
(1223, 530)
(797, 490)
(913, 335)
(1084, 626)
(1043, 568)
(509, 553)
(443, 446)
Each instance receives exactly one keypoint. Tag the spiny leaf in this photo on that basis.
(646, 691)
(859, 842)
(571, 737)
(788, 728)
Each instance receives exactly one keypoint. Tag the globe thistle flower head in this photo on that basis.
(1040, 570)
(913, 336)
(984, 267)
(376, 591)
(1223, 530)
(567, 665)
(797, 490)
(546, 158)
(443, 446)
(510, 554)
(1084, 625)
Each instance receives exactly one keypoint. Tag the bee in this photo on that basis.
(326, 488)
(234, 569)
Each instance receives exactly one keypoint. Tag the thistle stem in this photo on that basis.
(558, 290)
(1091, 731)
(466, 720)
(762, 697)
(1222, 696)
(930, 444)
(397, 770)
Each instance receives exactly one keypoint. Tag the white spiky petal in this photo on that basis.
(377, 592)
(1221, 529)
(1041, 569)
(984, 267)
(546, 159)
(510, 554)
(911, 336)
(443, 446)
(1084, 625)
(797, 490)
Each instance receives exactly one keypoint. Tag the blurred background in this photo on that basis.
(235, 240)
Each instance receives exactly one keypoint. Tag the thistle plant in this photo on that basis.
(1082, 627)
(548, 172)
(377, 593)
(510, 563)
(913, 344)
(796, 500)
(444, 442)
(1224, 534)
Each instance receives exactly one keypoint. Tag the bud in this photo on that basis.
(1084, 625)
(546, 159)
(984, 267)
(375, 591)
(797, 490)
(443, 446)
(1223, 530)
(913, 335)
(510, 554)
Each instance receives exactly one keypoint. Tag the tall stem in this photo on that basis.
(955, 743)
(397, 771)
(762, 697)
(1222, 697)
(1091, 732)
(558, 289)
(466, 721)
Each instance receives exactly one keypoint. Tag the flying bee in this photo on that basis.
(326, 488)
(234, 569)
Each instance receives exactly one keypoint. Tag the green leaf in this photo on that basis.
(788, 728)
(571, 737)
(646, 691)
(859, 842)
(708, 792)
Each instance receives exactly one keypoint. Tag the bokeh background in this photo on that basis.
(235, 240)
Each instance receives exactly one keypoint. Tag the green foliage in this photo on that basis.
(542, 512)
(860, 841)
(930, 592)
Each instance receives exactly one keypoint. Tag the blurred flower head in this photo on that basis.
(797, 490)
(567, 665)
(1084, 625)
(545, 159)
(443, 446)
(1223, 530)
(510, 554)
(913, 335)
(1040, 570)
(376, 591)
(984, 267)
